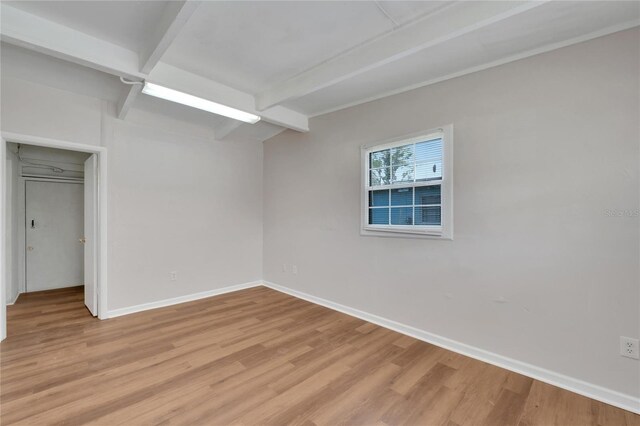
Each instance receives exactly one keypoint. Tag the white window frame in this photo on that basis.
(445, 230)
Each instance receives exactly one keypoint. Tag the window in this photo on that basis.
(407, 186)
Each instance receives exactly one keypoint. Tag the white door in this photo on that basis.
(90, 232)
(53, 232)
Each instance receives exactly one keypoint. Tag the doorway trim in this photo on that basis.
(101, 238)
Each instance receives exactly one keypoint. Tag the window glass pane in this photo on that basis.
(402, 197)
(428, 194)
(380, 159)
(429, 151)
(379, 198)
(428, 171)
(379, 216)
(380, 176)
(402, 155)
(402, 173)
(428, 215)
(403, 166)
(402, 216)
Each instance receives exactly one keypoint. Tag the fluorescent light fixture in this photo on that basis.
(196, 102)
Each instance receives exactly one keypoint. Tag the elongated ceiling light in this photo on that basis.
(196, 102)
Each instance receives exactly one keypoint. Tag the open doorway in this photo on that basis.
(50, 218)
(51, 223)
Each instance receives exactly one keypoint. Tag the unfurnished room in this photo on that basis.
(319, 213)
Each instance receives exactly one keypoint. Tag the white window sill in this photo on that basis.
(436, 234)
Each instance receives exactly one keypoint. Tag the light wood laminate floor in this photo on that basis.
(255, 356)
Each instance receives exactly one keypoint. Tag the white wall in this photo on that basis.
(543, 147)
(39, 110)
(180, 203)
(178, 199)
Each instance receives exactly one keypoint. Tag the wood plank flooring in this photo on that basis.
(251, 357)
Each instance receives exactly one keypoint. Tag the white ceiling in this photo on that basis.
(125, 23)
(538, 28)
(285, 60)
(251, 45)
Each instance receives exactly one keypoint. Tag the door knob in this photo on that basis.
(30, 248)
(82, 240)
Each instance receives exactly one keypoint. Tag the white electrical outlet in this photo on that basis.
(294, 269)
(629, 347)
(173, 276)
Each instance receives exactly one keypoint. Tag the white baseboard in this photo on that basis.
(608, 396)
(15, 299)
(180, 299)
